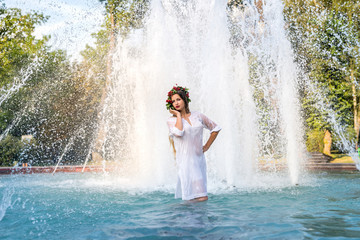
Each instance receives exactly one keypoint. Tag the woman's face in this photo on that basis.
(177, 102)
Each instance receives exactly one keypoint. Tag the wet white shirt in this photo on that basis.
(190, 159)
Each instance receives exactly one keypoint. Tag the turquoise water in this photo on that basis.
(76, 206)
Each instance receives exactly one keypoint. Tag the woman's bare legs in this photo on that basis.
(200, 199)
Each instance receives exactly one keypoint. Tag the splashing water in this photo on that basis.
(340, 130)
(7, 92)
(239, 67)
(240, 72)
(6, 201)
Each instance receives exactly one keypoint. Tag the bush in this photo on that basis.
(10, 148)
(315, 141)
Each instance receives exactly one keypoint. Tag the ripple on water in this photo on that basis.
(39, 206)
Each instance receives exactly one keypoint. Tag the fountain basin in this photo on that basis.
(332, 167)
(94, 206)
(50, 169)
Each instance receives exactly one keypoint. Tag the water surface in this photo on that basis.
(75, 206)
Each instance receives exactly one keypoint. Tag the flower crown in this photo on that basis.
(173, 91)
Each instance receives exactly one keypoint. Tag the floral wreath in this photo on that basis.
(173, 91)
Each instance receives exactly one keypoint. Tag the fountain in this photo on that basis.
(237, 61)
(243, 76)
(239, 67)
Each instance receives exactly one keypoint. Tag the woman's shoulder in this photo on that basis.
(196, 113)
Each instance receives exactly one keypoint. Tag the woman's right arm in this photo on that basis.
(178, 123)
(175, 128)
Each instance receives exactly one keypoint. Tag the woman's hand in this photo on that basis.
(174, 112)
(178, 123)
(205, 148)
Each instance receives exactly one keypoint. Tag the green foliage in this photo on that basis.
(315, 141)
(5, 117)
(10, 148)
(326, 40)
(349, 134)
(18, 45)
(59, 102)
(18, 51)
(95, 58)
(55, 100)
(127, 15)
(121, 17)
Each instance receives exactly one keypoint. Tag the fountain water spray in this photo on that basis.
(7, 92)
(239, 68)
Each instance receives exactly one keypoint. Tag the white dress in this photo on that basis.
(190, 159)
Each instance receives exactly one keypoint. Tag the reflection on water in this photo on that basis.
(328, 224)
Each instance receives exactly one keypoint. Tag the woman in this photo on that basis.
(186, 134)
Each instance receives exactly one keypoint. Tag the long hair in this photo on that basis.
(187, 110)
(172, 145)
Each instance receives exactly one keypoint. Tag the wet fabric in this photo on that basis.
(190, 159)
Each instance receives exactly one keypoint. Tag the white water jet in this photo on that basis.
(7, 194)
(7, 91)
(282, 56)
(189, 43)
(68, 145)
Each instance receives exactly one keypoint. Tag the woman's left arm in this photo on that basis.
(211, 139)
(214, 131)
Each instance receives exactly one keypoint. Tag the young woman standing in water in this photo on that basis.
(186, 135)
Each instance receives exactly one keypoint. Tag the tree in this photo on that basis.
(121, 17)
(18, 46)
(324, 35)
(53, 99)
(9, 150)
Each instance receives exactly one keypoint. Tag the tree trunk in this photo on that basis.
(97, 154)
(259, 6)
(327, 142)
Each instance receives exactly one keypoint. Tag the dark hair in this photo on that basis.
(184, 98)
